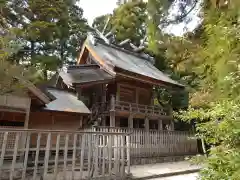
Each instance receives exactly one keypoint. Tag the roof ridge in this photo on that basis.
(72, 67)
(115, 46)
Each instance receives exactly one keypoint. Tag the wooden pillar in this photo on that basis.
(160, 127)
(23, 139)
(112, 112)
(172, 125)
(112, 103)
(81, 121)
(104, 121)
(146, 123)
(104, 93)
(130, 121)
(112, 119)
(26, 122)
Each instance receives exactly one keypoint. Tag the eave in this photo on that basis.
(131, 75)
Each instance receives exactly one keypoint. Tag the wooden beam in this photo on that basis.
(81, 53)
(136, 78)
(88, 84)
(145, 79)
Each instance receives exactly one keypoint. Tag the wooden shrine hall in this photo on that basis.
(118, 86)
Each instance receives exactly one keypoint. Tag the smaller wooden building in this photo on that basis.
(52, 109)
(49, 109)
(65, 112)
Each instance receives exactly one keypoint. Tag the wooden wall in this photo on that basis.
(111, 90)
(12, 116)
(55, 121)
(134, 92)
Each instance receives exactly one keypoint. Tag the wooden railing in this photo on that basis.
(63, 155)
(131, 107)
(156, 143)
(139, 108)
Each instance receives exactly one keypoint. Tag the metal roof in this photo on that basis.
(66, 102)
(84, 74)
(120, 58)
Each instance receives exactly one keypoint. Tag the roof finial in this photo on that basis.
(124, 42)
(92, 39)
(105, 27)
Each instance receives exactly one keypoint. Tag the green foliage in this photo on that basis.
(161, 15)
(220, 67)
(215, 103)
(219, 126)
(9, 72)
(100, 22)
(126, 22)
(51, 32)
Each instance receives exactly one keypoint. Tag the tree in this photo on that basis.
(126, 22)
(51, 32)
(101, 21)
(215, 103)
(10, 73)
(163, 13)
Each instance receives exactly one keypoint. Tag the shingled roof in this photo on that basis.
(84, 74)
(66, 102)
(116, 57)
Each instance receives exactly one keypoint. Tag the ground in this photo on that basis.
(192, 176)
(149, 171)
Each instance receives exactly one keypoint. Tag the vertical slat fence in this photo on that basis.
(66, 155)
(156, 143)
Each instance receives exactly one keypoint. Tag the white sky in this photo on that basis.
(94, 8)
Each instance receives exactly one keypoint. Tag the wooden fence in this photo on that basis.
(154, 143)
(50, 155)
